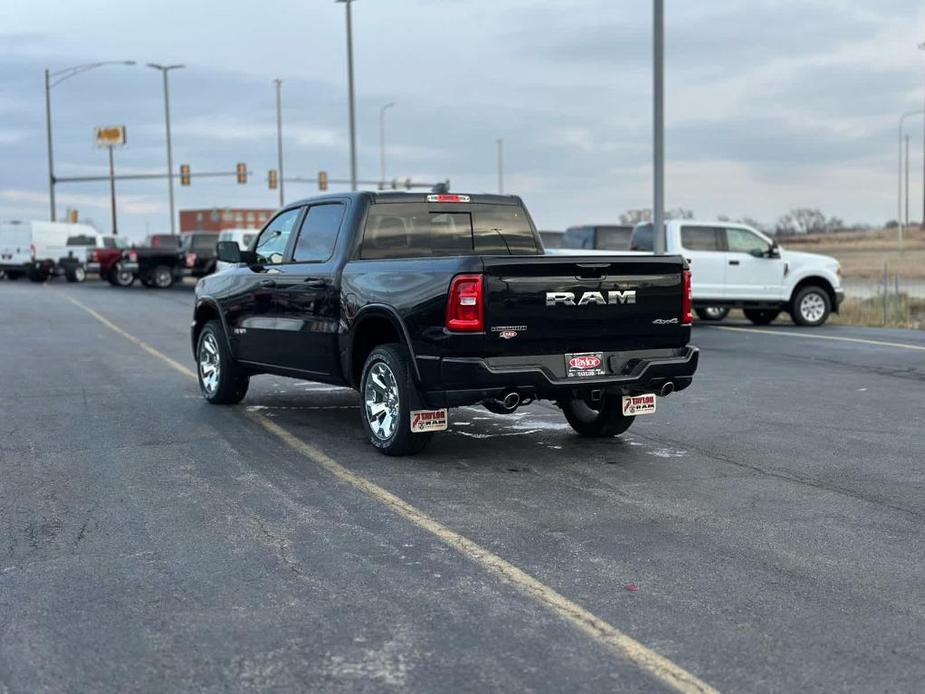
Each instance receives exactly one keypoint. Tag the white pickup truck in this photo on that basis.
(735, 266)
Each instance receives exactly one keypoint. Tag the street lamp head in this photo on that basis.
(157, 66)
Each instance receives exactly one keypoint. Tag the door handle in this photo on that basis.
(733, 262)
(310, 282)
(268, 284)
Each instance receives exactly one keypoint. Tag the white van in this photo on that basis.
(40, 250)
(243, 237)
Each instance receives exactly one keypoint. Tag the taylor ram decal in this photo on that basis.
(635, 405)
(508, 332)
(428, 420)
(588, 298)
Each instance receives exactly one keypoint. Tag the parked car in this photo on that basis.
(735, 266)
(425, 302)
(603, 237)
(199, 250)
(40, 250)
(243, 237)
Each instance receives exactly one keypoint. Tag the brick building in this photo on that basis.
(216, 219)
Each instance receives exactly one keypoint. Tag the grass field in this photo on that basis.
(864, 255)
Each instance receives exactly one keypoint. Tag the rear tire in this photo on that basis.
(221, 380)
(120, 278)
(13, 275)
(712, 312)
(76, 273)
(388, 395)
(760, 316)
(38, 275)
(597, 420)
(811, 306)
(161, 277)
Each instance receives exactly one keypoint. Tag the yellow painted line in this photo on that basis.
(134, 340)
(790, 333)
(588, 623)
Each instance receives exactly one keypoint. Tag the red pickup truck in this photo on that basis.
(114, 261)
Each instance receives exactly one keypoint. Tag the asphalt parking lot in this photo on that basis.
(763, 532)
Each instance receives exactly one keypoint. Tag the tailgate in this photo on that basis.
(549, 304)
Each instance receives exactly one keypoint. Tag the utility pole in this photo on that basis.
(658, 104)
(51, 156)
(907, 185)
(112, 192)
(921, 47)
(352, 99)
(382, 142)
(500, 166)
(58, 77)
(899, 177)
(279, 137)
(164, 70)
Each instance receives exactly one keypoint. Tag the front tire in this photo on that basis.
(712, 312)
(761, 316)
(811, 306)
(388, 395)
(221, 380)
(596, 419)
(76, 274)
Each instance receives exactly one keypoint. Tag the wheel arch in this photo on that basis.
(817, 281)
(208, 309)
(374, 325)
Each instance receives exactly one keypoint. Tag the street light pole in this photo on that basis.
(658, 104)
(279, 137)
(500, 166)
(921, 47)
(907, 186)
(352, 99)
(58, 77)
(899, 177)
(164, 70)
(382, 142)
(112, 192)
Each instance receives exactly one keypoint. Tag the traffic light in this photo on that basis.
(72, 216)
(184, 174)
(322, 180)
(242, 172)
(272, 179)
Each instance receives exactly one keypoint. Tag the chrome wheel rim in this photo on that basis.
(812, 307)
(380, 393)
(80, 274)
(124, 277)
(209, 364)
(162, 279)
(713, 312)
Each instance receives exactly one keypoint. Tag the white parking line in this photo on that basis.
(811, 336)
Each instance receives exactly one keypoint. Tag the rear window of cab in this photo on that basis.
(421, 230)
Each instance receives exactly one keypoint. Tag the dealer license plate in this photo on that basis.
(636, 405)
(584, 364)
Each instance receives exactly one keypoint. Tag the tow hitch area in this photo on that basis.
(428, 420)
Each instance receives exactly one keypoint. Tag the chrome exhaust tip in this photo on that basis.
(667, 389)
(511, 401)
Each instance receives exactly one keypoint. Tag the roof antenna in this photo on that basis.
(441, 188)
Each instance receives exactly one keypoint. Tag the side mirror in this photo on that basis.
(228, 252)
(775, 251)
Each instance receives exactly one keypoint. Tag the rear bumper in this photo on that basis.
(467, 381)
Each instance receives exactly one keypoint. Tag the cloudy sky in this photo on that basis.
(770, 104)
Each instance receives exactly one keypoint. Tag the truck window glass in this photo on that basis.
(744, 241)
(502, 230)
(614, 238)
(398, 230)
(702, 238)
(318, 233)
(643, 239)
(578, 237)
(271, 245)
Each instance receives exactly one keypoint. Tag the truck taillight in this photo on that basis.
(93, 256)
(190, 259)
(133, 256)
(465, 308)
(687, 303)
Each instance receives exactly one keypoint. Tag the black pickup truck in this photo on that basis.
(423, 302)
